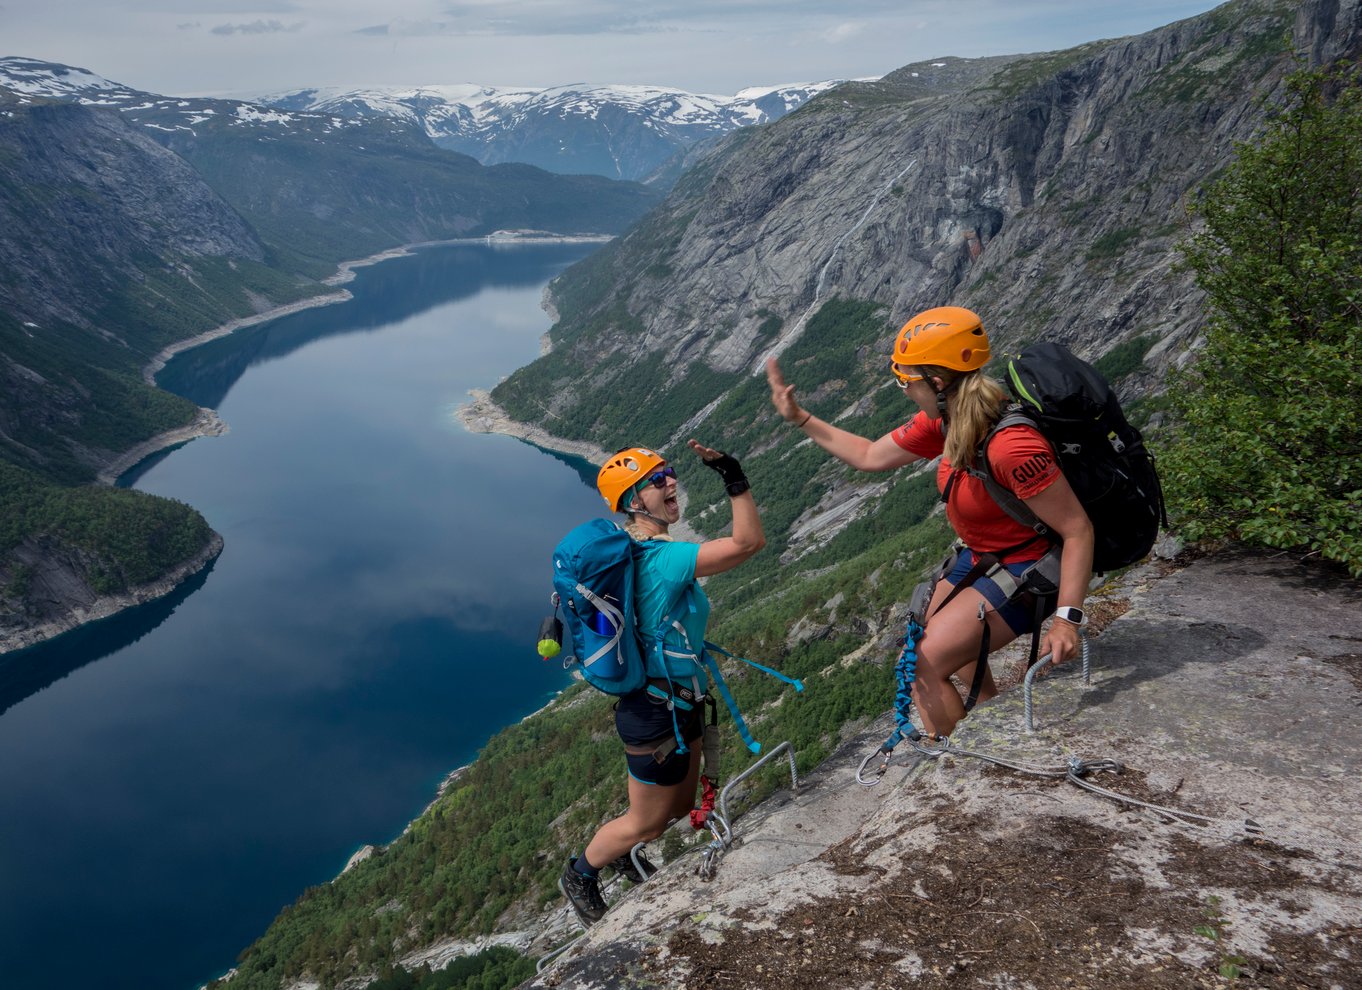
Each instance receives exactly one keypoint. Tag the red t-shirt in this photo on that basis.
(1022, 461)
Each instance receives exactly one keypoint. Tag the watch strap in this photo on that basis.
(1070, 614)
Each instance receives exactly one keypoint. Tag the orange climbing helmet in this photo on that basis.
(947, 337)
(625, 469)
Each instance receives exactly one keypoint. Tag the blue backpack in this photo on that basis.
(593, 582)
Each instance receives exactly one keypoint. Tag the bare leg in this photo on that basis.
(651, 807)
(951, 646)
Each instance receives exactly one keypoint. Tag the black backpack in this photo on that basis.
(1102, 456)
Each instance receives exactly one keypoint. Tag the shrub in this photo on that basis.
(1268, 436)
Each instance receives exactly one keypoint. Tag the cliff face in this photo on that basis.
(1045, 191)
(88, 202)
(101, 225)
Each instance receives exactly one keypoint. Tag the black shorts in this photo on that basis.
(644, 721)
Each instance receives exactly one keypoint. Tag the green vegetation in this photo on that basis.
(1113, 243)
(1214, 929)
(1034, 70)
(1205, 66)
(1268, 442)
(1125, 358)
(125, 538)
(189, 295)
(82, 397)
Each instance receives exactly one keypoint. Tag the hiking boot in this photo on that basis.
(583, 893)
(624, 866)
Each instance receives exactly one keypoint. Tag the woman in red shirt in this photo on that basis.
(937, 361)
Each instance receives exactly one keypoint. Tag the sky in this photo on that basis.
(219, 47)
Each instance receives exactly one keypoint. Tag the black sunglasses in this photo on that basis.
(659, 477)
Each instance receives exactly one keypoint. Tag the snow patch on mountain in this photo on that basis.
(620, 131)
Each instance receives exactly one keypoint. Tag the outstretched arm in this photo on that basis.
(861, 453)
(727, 552)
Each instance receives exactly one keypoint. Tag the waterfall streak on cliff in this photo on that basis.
(684, 430)
(785, 341)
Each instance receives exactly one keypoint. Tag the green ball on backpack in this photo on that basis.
(550, 637)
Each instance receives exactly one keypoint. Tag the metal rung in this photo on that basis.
(1044, 661)
(785, 747)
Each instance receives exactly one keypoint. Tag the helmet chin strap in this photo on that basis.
(631, 511)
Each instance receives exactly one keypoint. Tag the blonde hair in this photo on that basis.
(639, 534)
(976, 403)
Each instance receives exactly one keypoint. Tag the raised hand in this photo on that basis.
(706, 453)
(782, 395)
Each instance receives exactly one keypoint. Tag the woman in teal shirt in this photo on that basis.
(662, 780)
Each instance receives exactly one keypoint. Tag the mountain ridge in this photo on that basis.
(620, 131)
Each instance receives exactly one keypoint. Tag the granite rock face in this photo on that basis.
(1047, 192)
(955, 870)
(91, 199)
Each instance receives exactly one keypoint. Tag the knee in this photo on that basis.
(649, 830)
(930, 666)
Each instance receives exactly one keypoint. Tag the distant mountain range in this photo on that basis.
(621, 132)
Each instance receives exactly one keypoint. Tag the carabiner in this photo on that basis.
(879, 771)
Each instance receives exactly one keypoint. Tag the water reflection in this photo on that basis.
(26, 672)
(386, 294)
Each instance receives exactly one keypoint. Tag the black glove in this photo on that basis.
(735, 482)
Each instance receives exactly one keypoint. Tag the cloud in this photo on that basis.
(844, 32)
(257, 27)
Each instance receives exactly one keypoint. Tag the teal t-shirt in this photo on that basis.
(663, 572)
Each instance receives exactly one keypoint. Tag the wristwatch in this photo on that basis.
(1070, 614)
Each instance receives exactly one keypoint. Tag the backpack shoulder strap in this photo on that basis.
(1006, 499)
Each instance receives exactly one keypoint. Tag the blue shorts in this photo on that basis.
(1020, 613)
(644, 721)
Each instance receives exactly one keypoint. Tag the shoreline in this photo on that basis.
(482, 415)
(207, 423)
(345, 272)
(109, 605)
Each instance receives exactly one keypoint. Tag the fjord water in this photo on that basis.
(171, 778)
